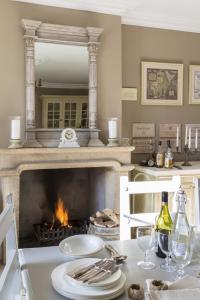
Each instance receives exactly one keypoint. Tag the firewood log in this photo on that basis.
(111, 215)
(99, 223)
(110, 224)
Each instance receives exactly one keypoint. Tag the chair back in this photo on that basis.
(10, 277)
(127, 188)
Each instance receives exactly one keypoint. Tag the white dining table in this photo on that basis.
(40, 263)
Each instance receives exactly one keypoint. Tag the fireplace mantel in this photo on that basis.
(14, 161)
(115, 160)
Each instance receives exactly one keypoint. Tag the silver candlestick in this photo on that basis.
(187, 152)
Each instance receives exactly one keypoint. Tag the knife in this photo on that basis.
(83, 270)
(91, 270)
(103, 276)
(96, 271)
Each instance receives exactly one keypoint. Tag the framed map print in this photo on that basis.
(194, 84)
(162, 84)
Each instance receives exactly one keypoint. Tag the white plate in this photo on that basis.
(77, 264)
(114, 296)
(83, 245)
(65, 288)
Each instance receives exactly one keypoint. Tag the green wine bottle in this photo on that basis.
(164, 222)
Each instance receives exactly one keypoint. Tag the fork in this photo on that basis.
(75, 274)
(97, 270)
(119, 258)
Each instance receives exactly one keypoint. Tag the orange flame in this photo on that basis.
(61, 213)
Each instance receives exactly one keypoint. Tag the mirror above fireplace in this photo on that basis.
(61, 85)
(64, 56)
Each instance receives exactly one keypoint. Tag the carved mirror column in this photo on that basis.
(29, 40)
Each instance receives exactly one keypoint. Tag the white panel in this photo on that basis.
(180, 15)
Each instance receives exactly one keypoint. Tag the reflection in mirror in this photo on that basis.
(61, 86)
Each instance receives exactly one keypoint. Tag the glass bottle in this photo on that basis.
(182, 234)
(169, 156)
(164, 222)
(159, 156)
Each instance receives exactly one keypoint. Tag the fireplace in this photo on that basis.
(57, 203)
(97, 171)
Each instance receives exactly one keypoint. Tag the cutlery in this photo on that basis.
(103, 276)
(119, 258)
(83, 270)
(96, 271)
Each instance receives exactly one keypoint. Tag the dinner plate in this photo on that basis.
(65, 288)
(75, 297)
(83, 245)
(77, 264)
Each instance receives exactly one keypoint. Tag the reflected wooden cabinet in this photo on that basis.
(64, 111)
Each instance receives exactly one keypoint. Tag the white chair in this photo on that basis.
(127, 188)
(197, 202)
(14, 283)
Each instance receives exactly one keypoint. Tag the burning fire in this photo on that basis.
(61, 213)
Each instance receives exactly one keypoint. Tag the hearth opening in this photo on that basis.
(57, 203)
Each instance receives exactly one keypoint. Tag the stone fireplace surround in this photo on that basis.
(115, 162)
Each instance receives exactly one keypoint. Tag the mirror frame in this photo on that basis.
(60, 34)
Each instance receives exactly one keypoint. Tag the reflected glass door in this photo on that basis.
(70, 119)
(84, 115)
(54, 115)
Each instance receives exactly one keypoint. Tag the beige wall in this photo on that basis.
(140, 43)
(12, 100)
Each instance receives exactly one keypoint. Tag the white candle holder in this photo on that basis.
(112, 132)
(15, 144)
(15, 134)
(113, 143)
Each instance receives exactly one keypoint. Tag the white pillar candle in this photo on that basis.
(189, 142)
(177, 136)
(196, 138)
(186, 135)
(112, 128)
(15, 128)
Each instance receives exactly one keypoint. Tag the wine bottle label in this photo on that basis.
(168, 163)
(159, 160)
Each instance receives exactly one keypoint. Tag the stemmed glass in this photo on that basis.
(165, 243)
(145, 240)
(196, 248)
(182, 249)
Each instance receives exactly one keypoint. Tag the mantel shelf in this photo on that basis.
(4, 151)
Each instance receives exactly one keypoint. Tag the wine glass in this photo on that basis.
(165, 243)
(196, 248)
(145, 240)
(182, 249)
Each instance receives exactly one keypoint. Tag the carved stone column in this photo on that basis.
(94, 34)
(92, 48)
(30, 81)
(29, 41)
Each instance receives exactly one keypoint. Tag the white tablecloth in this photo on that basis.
(41, 262)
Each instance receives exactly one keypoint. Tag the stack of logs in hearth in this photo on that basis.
(105, 224)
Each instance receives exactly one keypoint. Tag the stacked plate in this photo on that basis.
(106, 289)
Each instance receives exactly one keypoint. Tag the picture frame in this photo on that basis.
(194, 84)
(129, 94)
(143, 130)
(161, 84)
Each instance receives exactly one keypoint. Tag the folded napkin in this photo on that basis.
(185, 288)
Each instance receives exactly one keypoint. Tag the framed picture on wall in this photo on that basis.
(194, 84)
(129, 94)
(162, 83)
